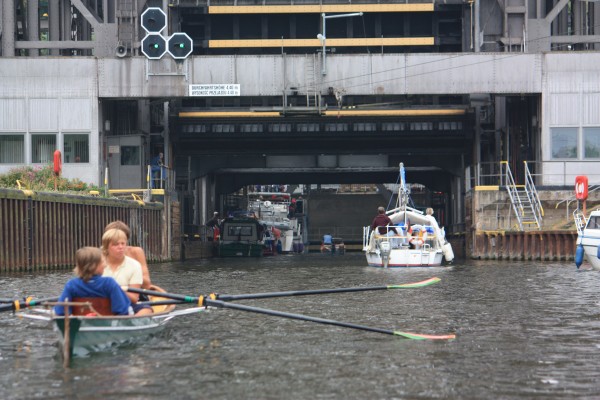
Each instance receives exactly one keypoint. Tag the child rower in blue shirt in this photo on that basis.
(91, 283)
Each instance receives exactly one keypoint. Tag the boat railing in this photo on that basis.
(580, 220)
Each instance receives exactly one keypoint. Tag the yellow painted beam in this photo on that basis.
(486, 187)
(394, 113)
(326, 113)
(246, 43)
(228, 114)
(128, 191)
(313, 9)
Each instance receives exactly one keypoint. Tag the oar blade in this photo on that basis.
(420, 336)
(413, 285)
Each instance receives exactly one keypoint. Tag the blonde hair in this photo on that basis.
(119, 225)
(112, 236)
(86, 261)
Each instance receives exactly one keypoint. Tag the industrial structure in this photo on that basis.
(238, 92)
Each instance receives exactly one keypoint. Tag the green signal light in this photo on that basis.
(155, 45)
(181, 45)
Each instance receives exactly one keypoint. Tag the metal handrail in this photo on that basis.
(511, 188)
(533, 196)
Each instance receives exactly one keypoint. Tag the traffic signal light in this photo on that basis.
(154, 46)
(154, 20)
(180, 45)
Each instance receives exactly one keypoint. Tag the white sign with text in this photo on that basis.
(217, 89)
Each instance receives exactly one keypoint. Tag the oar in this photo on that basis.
(211, 301)
(405, 335)
(160, 302)
(413, 285)
(224, 297)
(6, 300)
(16, 305)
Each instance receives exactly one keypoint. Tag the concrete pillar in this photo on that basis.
(8, 28)
(33, 25)
(54, 24)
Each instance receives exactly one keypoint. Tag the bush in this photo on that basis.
(41, 179)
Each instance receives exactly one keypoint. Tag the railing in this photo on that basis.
(543, 173)
(511, 188)
(580, 221)
(573, 198)
(532, 195)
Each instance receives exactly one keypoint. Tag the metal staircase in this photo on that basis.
(524, 199)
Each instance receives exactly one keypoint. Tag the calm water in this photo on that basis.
(524, 330)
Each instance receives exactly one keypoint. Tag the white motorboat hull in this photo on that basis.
(394, 251)
(405, 258)
(590, 239)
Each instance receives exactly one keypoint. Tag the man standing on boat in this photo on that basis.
(381, 221)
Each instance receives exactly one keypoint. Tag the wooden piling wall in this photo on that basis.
(531, 245)
(43, 230)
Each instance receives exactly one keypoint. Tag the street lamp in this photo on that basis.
(323, 37)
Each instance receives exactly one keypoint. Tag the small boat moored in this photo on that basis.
(240, 237)
(588, 239)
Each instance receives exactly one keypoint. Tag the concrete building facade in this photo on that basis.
(450, 88)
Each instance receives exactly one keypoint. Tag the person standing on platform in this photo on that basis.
(158, 169)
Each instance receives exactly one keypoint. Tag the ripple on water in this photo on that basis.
(524, 330)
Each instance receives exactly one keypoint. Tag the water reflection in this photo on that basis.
(523, 331)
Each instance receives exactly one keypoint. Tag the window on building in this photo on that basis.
(392, 126)
(591, 140)
(307, 127)
(280, 127)
(12, 149)
(225, 128)
(76, 148)
(564, 142)
(42, 148)
(130, 155)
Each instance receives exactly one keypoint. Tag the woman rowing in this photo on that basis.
(91, 284)
(135, 252)
(125, 270)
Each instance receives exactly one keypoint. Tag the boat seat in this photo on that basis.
(99, 305)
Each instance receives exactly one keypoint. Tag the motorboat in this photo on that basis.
(413, 239)
(275, 211)
(588, 239)
(240, 237)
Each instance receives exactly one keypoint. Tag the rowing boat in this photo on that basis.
(90, 331)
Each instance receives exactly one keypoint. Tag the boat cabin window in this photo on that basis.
(239, 230)
(593, 222)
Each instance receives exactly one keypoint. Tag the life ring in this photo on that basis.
(416, 241)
